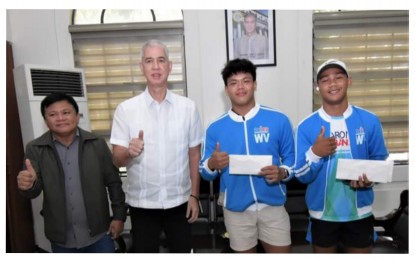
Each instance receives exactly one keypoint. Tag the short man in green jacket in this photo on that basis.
(74, 170)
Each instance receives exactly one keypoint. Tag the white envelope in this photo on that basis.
(376, 171)
(248, 164)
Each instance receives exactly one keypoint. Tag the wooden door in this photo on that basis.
(20, 235)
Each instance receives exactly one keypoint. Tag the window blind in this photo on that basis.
(110, 55)
(375, 47)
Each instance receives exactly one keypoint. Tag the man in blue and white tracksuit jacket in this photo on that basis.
(365, 137)
(340, 211)
(250, 129)
(263, 131)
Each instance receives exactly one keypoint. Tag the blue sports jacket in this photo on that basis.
(263, 131)
(366, 142)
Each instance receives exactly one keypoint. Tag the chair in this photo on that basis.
(299, 218)
(206, 235)
(393, 238)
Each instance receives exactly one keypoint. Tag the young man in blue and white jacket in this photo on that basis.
(340, 211)
(253, 203)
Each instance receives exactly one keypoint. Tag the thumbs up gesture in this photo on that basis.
(136, 146)
(324, 146)
(218, 160)
(26, 178)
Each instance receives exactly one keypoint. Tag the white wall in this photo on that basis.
(287, 86)
(40, 37)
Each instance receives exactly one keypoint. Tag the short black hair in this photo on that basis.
(56, 97)
(238, 66)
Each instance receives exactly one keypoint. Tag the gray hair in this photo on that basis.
(152, 43)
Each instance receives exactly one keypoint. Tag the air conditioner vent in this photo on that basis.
(45, 82)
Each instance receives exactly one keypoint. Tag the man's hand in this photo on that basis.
(116, 228)
(192, 212)
(136, 146)
(218, 160)
(273, 173)
(324, 146)
(26, 178)
(363, 182)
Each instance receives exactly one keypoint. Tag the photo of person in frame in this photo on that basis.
(250, 31)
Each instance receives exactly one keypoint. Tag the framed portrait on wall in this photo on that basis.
(250, 34)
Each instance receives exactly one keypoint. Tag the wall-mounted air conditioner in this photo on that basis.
(33, 83)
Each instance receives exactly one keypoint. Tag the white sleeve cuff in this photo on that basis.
(208, 170)
(311, 157)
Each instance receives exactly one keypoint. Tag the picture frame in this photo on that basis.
(250, 34)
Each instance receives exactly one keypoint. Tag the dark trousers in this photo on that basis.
(147, 224)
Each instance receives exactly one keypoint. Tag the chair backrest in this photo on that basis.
(395, 226)
(404, 200)
(403, 204)
(295, 203)
(401, 229)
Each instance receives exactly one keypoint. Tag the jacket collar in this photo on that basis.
(328, 117)
(249, 115)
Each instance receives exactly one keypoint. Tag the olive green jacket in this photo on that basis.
(98, 174)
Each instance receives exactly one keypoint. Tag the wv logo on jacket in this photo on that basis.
(360, 135)
(261, 134)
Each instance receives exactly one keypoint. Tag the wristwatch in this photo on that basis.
(286, 173)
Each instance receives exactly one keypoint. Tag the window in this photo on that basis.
(107, 45)
(375, 47)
